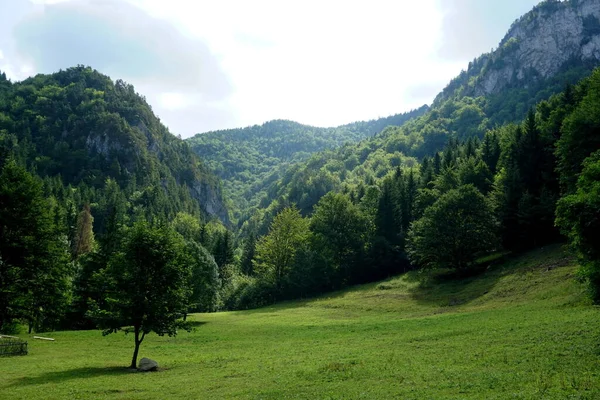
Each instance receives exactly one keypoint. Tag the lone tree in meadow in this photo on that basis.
(458, 227)
(148, 285)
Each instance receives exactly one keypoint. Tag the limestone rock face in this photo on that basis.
(538, 45)
(211, 200)
(147, 364)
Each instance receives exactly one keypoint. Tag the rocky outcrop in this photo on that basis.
(211, 200)
(554, 35)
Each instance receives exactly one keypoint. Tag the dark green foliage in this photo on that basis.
(490, 150)
(147, 285)
(504, 184)
(580, 134)
(82, 127)
(317, 209)
(526, 186)
(246, 262)
(452, 119)
(454, 231)
(578, 216)
(223, 249)
(35, 272)
(341, 235)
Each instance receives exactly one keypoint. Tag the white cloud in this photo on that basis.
(230, 63)
(321, 63)
(174, 101)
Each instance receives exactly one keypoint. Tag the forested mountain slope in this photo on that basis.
(249, 159)
(85, 165)
(556, 44)
(78, 128)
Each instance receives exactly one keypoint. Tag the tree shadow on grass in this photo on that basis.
(77, 373)
(195, 324)
(448, 288)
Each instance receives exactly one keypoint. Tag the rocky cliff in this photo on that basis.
(554, 36)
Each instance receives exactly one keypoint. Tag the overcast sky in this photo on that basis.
(206, 65)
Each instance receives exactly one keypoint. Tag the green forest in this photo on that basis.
(110, 222)
(519, 186)
(249, 160)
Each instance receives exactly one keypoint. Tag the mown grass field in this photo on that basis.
(523, 330)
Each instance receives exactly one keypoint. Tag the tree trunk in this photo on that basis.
(138, 341)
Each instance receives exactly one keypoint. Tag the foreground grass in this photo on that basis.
(523, 330)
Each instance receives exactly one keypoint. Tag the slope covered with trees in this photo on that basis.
(525, 70)
(82, 159)
(453, 211)
(83, 128)
(248, 160)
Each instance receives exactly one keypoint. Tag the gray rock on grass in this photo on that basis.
(147, 364)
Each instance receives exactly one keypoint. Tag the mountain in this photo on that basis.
(554, 45)
(83, 129)
(554, 36)
(557, 42)
(249, 159)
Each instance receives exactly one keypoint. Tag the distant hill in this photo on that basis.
(248, 159)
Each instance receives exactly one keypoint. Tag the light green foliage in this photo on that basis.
(188, 226)
(83, 240)
(204, 280)
(276, 252)
(457, 228)
(523, 330)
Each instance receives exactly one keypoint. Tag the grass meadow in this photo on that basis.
(522, 330)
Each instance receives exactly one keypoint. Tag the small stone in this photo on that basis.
(147, 364)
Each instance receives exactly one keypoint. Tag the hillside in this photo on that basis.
(82, 128)
(524, 70)
(249, 159)
(522, 330)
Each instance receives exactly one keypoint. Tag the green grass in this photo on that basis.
(523, 330)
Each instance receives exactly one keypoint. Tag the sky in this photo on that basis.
(208, 65)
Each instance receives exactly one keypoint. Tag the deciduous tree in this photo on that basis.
(457, 228)
(148, 285)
